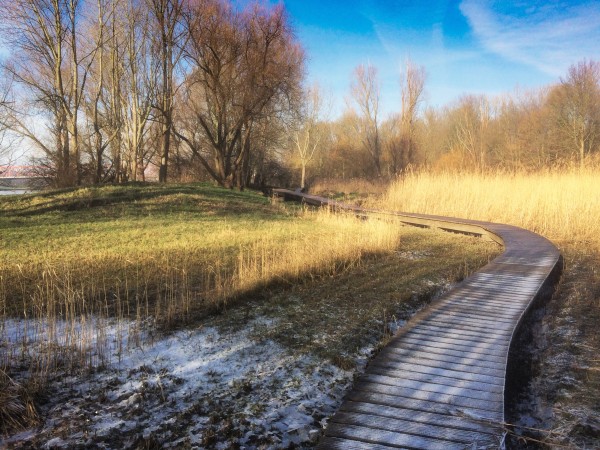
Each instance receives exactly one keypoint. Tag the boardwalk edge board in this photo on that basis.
(501, 292)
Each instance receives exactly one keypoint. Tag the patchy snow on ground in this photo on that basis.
(195, 388)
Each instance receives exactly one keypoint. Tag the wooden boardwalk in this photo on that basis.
(440, 383)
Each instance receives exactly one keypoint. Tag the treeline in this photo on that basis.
(105, 88)
(554, 126)
(200, 89)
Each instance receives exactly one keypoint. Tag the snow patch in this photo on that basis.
(197, 388)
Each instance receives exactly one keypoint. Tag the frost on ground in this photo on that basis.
(195, 388)
(267, 373)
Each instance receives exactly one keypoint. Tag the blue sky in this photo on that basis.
(468, 46)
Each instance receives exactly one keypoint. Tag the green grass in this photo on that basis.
(137, 234)
(76, 261)
(128, 220)
(171, 253)
(154, 250)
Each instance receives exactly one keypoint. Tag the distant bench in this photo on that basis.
(440, 382)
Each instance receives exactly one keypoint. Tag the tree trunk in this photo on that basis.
(303, 178)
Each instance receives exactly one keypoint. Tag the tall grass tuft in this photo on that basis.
(16, 406)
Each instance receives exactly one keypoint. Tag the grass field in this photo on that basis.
(149, 257)
(565, 207)
(154, 258)
(171, 254)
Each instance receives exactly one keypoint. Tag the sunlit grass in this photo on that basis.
(563, 206)
(74, 260)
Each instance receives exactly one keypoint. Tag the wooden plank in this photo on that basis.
(408, 426)
(439, 371)
(456, 342)
(461, 316)
(432, 358)
(427, 350)
(390, 438)
(457, 337)
(493, 341)
(496, 301)
(486, 334)
(334, 443)
(377, 398)
(467, 320)
(466, 313)
(472, 366)
(538, 273)
(466, 358)
(505, 307)
(495, 279)
(491, 403)
(446, 378)
(467, 324)
(452, 422)
(503, 280)
(501, 316)
(495, 304)
(503, 286)
(440, 382)
(482, 348)
(476, 306)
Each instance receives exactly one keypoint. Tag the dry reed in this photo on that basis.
(561, 205)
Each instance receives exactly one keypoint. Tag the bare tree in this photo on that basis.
(576, 106)
(49, 66)
(471, 130)
(392, 144)
(413, 84)
(139, 87)
(246, 68)
(123, 90)
(169, 35)
(365, 92)
(7, 140)
(307, 137)
(346, 157)
(434, 134)
(97, 109)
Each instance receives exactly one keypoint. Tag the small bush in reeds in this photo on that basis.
(354, 190)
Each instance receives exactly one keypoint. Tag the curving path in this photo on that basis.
(440, 383)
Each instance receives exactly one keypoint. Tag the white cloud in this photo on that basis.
(548, 36)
